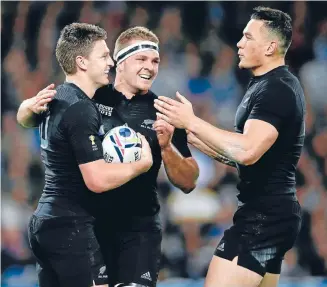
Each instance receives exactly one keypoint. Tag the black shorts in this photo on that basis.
(263, 231)
(132, 251)
(67, 252)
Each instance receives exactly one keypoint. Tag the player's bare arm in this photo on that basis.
(30, 108)
(182, 172)
(245, 149)
(200, 145)
(100, 176)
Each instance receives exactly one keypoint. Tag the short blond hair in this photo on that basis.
(134, 33)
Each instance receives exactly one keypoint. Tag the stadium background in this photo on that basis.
(199, 59)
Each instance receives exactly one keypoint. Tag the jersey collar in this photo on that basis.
(138, 97)
(271, 72)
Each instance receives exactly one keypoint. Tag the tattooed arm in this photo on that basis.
(194, 141)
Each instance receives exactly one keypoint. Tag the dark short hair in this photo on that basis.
(277, 22)
(77, 39)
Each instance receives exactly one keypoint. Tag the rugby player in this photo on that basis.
(266, 146)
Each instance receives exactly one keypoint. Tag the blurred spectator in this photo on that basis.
(313, 74)
(291, 267)
(15, 214)
(140, 17)
(172, 40)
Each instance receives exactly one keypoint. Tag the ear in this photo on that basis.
(81, 62)
(272, 49)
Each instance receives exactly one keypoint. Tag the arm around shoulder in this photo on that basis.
(25, 116)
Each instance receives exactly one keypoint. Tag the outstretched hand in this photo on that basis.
(177, 113)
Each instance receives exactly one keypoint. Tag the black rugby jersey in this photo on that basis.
(137, 197)
(277, 98)
(70, 136)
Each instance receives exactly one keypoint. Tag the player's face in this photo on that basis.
(253, 45)
(140, 70)
(99, 63)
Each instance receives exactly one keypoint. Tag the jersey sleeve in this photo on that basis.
(179, 140)
(82, 124)
(274, 103)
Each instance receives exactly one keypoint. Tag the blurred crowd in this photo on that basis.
(199, 59)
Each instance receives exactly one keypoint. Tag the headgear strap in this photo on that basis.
(135, 48)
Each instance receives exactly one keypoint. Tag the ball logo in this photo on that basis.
(121, 144)
(118, 146)
(129, 142)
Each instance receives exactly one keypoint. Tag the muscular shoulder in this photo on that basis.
(277, 100)
(275, 86)
(278, 92)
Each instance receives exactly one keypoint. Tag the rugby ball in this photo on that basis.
(121, 145)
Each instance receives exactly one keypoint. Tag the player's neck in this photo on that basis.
(268, 66)
(121, 86)
(84, 84)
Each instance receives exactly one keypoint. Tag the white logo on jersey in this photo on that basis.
(221, 247)
(147, 124)
(147, 276)
(102, 272)
(105, 110)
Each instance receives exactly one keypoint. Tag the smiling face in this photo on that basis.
(139, 70)
(98, 63)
